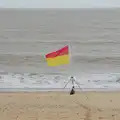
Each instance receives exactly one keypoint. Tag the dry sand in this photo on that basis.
(60, 106)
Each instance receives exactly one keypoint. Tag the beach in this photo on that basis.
(31, 90)
(60, 106)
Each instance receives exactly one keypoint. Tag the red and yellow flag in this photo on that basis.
(58, 57)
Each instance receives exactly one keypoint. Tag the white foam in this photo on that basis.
(29, 81)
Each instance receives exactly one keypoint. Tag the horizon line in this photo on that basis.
(60, 8)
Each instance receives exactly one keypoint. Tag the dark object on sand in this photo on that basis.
(72, 91)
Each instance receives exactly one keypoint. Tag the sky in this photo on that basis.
(59, 3)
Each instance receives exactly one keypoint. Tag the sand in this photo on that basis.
(60, 106)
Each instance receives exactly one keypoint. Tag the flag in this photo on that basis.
(58, 57)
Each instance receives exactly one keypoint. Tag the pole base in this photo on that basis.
(72, 92)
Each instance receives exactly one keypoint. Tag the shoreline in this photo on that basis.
(61, 91)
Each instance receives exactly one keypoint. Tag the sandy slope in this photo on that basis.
(60, 106)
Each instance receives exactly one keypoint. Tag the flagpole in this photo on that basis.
(70, 53)
(70, 49)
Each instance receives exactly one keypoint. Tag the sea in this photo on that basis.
(27, 35)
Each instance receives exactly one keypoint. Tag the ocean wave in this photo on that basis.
(29, 81)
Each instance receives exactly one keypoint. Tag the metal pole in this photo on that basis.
(67, 83)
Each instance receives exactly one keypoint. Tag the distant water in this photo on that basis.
(92, 34)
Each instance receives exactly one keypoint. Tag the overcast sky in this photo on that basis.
(59, 3)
